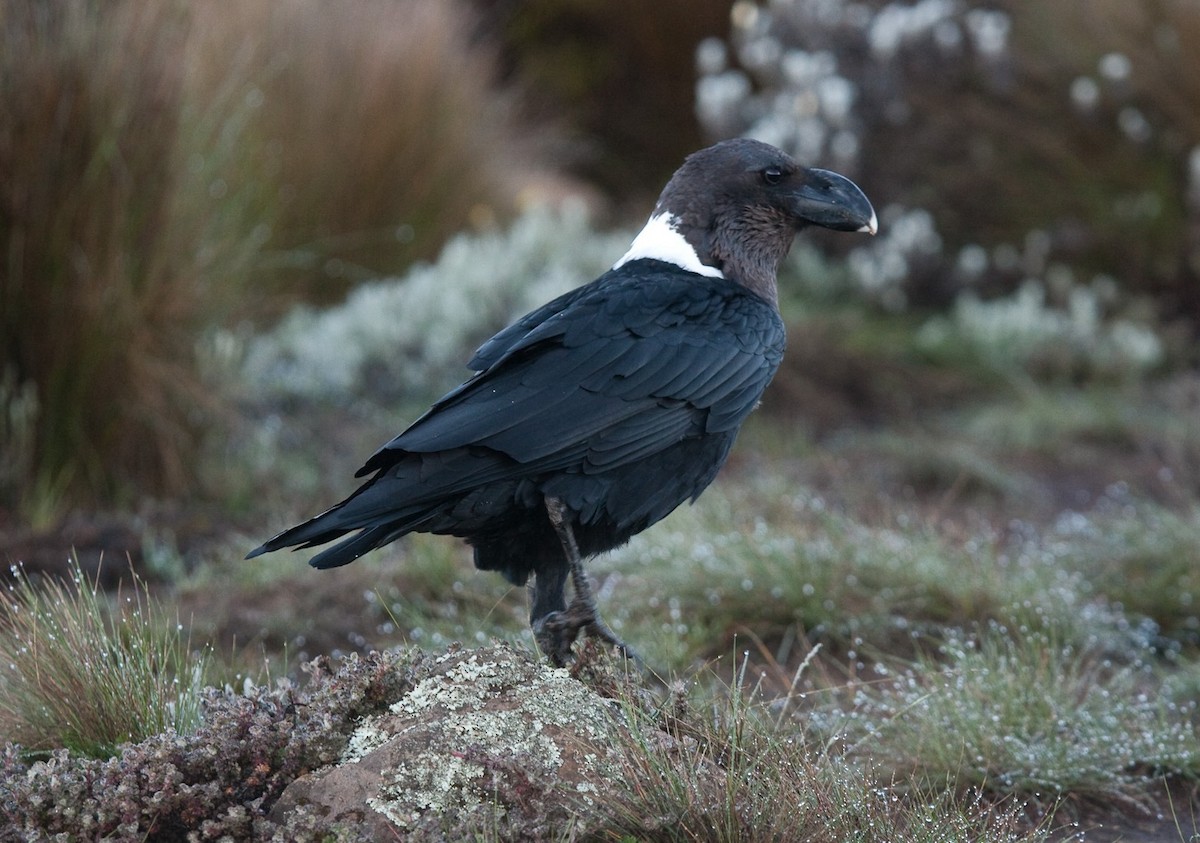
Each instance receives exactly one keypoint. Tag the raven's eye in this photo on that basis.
(772, 175)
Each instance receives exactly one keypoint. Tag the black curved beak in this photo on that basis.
(833, 201)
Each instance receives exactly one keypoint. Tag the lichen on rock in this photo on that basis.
(488, 737)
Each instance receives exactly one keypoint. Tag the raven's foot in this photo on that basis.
(556, 632)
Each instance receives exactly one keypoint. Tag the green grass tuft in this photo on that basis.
(782, 566)
(1145, 560)
(79, 673)
(731, 769)
(1021, 712)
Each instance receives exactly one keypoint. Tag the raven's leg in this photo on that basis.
(549, 592)
(556, 632)
(553, 634)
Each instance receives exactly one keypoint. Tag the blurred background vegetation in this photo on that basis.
(198, 199)
(244, 242)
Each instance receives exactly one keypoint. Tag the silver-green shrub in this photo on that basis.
(1025, 331)
(410, 337)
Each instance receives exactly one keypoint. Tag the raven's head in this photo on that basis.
(732, 210)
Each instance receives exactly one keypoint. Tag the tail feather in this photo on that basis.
(358, 512)
(405, 497)
(316, 530)
(343, 553)
(298, 537)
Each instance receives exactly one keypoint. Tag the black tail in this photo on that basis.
(417, 492)
(340, 554)
(343, 553)
(367, 511)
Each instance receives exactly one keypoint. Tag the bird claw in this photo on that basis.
(554, 636)
(556, 632)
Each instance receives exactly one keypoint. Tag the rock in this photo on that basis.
(490, 738)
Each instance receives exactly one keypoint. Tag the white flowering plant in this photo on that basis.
(998, 139)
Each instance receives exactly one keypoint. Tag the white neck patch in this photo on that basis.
(660, 240)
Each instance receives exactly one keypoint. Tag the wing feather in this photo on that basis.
(609, 374)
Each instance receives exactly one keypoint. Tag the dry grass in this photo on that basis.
(97, 300)
(374, 130)
(293, 149)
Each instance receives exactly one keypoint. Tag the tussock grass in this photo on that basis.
(83, 674)
(373, 131)
(99, 299)
(172, 167)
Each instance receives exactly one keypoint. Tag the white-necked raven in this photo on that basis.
(597, 414)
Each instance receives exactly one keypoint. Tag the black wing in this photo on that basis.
(621, 367)
(495, 348)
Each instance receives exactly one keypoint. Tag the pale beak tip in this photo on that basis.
(872, 225)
